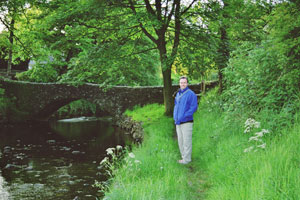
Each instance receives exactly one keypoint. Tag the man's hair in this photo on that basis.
(184, 77)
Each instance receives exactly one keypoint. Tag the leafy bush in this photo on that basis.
(265, 76)
(40, 73)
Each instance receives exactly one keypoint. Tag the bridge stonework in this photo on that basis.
(41, 100)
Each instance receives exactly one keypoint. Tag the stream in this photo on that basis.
(55, 160)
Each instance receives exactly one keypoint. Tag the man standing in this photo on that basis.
(185, 106)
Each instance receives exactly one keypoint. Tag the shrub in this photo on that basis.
(39, 73)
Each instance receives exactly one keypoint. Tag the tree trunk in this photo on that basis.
(224, 56)
(165, 59)
(166, 72)
(168, 100)
(203, 87)
(168, 62)
(220, 75)
(223, 50)
(11, 41)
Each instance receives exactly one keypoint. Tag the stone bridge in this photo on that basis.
(41, 100)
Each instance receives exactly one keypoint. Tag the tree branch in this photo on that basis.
(29, 52)
(166, 10)
(148, 7)
(139, 52)
(4, 22)
(177, 30)
(103, 29)
(183, 12)
(158, 9)
(141, 25)
(170, 15)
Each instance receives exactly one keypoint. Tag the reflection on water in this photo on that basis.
(55, 161)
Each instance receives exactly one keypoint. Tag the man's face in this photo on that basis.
(183, 83)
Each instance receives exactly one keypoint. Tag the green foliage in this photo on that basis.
(265, 76)
(11, 13)
(224, 26)
(196, 56)
(4, 43)
(93, 47)
(221, 151)
(75, 109)
(39, 73)
(110, 64)
(223, 166)
(112, 163)
(102, 42)
(149, 113)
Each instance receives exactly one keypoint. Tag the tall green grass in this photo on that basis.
(153, 172)
(270, 173)
(220, 168)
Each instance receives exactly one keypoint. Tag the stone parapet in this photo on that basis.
(41, 100)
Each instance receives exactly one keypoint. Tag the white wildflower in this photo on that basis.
(137, 161)
(248, 149)
(105, 160)
(263, 146)
(110, 151)
(262, 132)
(249, 122)
(119, 147)
(247, 130)
(257, 138)
(131, 155)
(259, 134)
(256, 124)
(265, 131)
(254, 138)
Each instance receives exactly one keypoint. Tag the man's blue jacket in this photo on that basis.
(185, 106)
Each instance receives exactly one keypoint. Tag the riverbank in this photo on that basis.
(227, 164)
(154, 173)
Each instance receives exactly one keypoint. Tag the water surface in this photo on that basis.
(57, 160)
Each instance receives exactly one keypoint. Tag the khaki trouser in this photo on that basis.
(184, 135)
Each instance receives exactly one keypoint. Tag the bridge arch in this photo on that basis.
(54, 106)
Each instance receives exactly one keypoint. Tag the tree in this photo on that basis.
(8, 10)
(10, 14)
(229, 23)
(86, 44)
(128, 24)
(161, 22)
(265, 74)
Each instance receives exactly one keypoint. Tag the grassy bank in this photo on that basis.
(235, 171)
(223, 167)
(153, 172)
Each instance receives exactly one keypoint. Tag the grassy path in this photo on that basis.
(153, 172)
(221, 169)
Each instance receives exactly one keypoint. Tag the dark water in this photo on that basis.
(57, 160)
